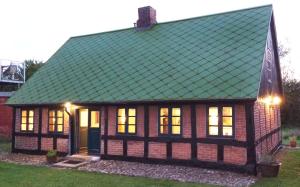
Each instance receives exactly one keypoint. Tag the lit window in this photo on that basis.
(56, 121)
(126, 122)
(27, 120)
(95, 119)
(170, 121)
(220, 121)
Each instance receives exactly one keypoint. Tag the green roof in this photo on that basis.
(204, 58)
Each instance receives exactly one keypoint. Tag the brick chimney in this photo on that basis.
(147, 17)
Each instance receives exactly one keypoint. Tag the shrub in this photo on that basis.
(52, 153)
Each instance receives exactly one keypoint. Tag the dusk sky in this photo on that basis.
(35, 29)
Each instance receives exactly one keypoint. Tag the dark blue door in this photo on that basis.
(94, 132)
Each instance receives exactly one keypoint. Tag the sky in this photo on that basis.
(35, 29)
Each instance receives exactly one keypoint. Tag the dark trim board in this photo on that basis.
(266, 136)
(13, 130)
(219, 141)
(63, 136)
(250, 168)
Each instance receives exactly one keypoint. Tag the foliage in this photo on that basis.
(31, 67)
(52, 153)
(291, 106)
(32, 176)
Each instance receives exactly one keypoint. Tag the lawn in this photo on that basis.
(20, 175)
(289, 172)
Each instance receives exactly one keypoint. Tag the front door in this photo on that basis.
(89, 131)
(94, 132)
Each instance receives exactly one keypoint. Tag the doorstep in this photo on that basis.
(75, 161)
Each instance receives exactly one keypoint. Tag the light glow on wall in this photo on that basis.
(271, 100)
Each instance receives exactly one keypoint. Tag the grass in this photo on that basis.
(289, 174)
(287, 133)
(20, 175)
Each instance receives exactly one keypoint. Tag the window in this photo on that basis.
(27, 120)
(220, 121)
(170, 121)
(56, 121)
(126, 121)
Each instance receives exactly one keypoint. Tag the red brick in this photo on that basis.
(153, 121)
(201, 121)
(181, 151)
(207, 152)
(235, 155)
(62, 145)
(157, 150)
(115, 147)
(46, 144)
(135, 148)
(28, 143)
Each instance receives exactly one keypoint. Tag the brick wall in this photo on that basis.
(46, 144)
(62, 145)
(115, 147)
(27, 143)
(181, 151)
(207, 152)
(266, 119)
(157, 150)
(153, 121)
(240, 122)
(6, 118)
(112, 112)
(135, 148)
(201, 121)
(186, 121)
(235, 155)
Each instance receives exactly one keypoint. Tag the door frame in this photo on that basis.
(75, 137)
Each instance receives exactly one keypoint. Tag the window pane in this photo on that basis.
(24, 113)
(131, 112)
(163, 129)
(121, 120)
(164, 112)
(175, 111)
(213, 130)
(131, 120)
(59, 128)
(227, 111)
(60, 113)
(30, 119)
(121, 128)
(175, 120)
(23, 119)
(227, 131)
(31, 113)
(227, 121)
(95, 121)
(131, 128)
(60, 121)
(213, 111)
(52, 120)
(213, 120)
(51, 113)
(83, 116)
(23, 127)
(30, 127)
(51, 128)
(121, 112)
(175, 129)
(164, 120)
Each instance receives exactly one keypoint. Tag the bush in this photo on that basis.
(268, 159)
(52, 153)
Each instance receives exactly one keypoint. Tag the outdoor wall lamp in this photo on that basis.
(271, 100)
(68, 106)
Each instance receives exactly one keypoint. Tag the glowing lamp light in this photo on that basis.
(271, 100)
(68, 106)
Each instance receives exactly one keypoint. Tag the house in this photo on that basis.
(6, 117)
(203, 91)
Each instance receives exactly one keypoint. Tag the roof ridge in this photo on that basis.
(184, 19)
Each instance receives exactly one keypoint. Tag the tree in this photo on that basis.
(31, 66)
(291, 107)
